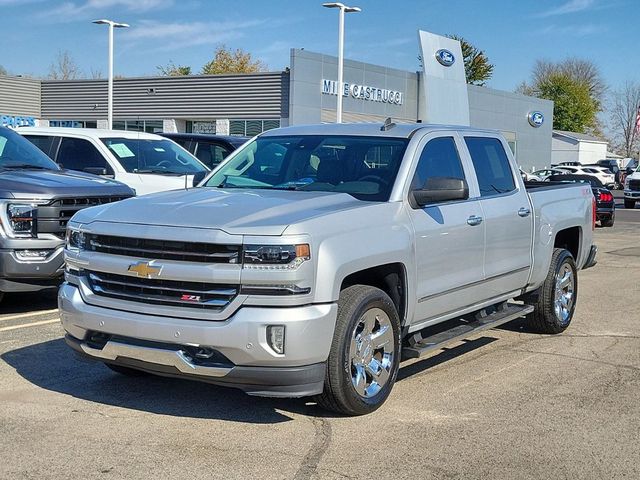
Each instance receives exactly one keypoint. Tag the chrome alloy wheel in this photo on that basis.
(564, 293)
(371, 352)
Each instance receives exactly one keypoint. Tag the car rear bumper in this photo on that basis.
(241, 355)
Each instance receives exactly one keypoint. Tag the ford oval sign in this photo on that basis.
(445, 57)
(536, 119)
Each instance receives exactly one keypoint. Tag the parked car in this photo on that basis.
(547, 172)
(601, 173)
(315, 257)
(632, 189)
(37, 198)
(146, 162)
(614, 168)
(209, 149)
(605, 203)
(529, 177)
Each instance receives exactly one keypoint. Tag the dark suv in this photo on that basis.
(209, 149)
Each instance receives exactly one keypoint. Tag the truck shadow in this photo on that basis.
(30, 302)
(446, 354)
(53, 366)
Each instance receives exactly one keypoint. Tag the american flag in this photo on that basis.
(638, 120)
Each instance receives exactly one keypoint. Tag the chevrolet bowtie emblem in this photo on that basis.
(144, 269)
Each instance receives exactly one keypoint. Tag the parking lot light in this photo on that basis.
(112, 25)
(343, 9)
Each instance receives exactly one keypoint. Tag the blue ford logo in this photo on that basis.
(536, 119)
(445, 57)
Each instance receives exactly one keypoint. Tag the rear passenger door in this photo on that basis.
(507, 216)
(449, 238)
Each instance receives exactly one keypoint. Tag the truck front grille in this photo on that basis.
(164, 249)
(634, 185)
(53, 217)
(162, 292)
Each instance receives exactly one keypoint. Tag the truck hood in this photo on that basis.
(235, 211)
(35, 184)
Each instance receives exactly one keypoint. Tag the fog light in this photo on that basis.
(275, 338)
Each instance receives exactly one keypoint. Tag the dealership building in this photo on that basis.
(306, 92)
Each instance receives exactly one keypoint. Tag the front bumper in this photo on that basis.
(161, 345)
(635, 194)
(26, 275)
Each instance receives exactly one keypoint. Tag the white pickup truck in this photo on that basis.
(315, 258)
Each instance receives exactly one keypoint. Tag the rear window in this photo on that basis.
(491, 165)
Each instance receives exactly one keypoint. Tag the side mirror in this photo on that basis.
(440, 189)
(96, 171)
(198, 177)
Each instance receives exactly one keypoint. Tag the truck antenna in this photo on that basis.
(388, 125)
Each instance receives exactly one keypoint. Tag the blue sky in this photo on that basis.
(513, 33)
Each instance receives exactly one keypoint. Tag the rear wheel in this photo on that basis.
(608, 221)
(129, 372)
(629, 203)
(365, 353)
(555, 300)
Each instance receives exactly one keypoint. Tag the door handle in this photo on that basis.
(524, 212)
(474, 220)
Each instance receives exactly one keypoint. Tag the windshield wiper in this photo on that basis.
(160, 171)
(24, 166)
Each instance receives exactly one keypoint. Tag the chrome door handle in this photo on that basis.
(474, 220)
(524, 212)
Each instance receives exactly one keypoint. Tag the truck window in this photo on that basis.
(211, 154)
(78, 154)
(43, 142)
(491, 165)
(439, 158)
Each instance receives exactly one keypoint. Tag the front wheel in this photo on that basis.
(631, 204)
(555, 300)
(365, 352)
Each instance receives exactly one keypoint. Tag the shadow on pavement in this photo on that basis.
(446, 354)
(31, 302)
(53, 366)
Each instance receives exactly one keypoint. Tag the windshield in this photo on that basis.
(17, 152)
(364, 167)
(141, 155)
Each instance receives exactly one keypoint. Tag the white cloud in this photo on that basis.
(71, 11)
(571, 6)
(574, 30)
(174, 36)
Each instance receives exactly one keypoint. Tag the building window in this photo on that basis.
(73, 123)
(250, 128)
(149, 126)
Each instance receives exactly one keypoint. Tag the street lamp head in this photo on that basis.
(342, 6)
(104, 21)
(121, 25)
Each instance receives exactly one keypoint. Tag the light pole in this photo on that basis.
(112, 25)
(343, 9)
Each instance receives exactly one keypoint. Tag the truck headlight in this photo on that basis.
(76, 239)
(275, 257)
(23, 219)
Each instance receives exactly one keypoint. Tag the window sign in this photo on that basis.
(17, 121)
(204, 127)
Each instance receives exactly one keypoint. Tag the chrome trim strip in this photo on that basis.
(159, 298)
(171, 358)
(95, 243)
(223, 292)
(473, 284)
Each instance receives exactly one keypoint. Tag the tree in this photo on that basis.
(64, 67)
(228, 61)
(623, 111)
(3, 71)
(576, 88)
(96, 73)
(173, 70)
(477, 68)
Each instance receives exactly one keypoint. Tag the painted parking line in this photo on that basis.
(26, 315)
(33, 324)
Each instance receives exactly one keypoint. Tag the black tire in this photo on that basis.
(608, 221)
(630, 204)
(339, 393)
(544, 318)
(129, 372)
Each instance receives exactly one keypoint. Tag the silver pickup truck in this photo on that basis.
(314, 259)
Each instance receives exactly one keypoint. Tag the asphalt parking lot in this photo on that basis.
(506, 404)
